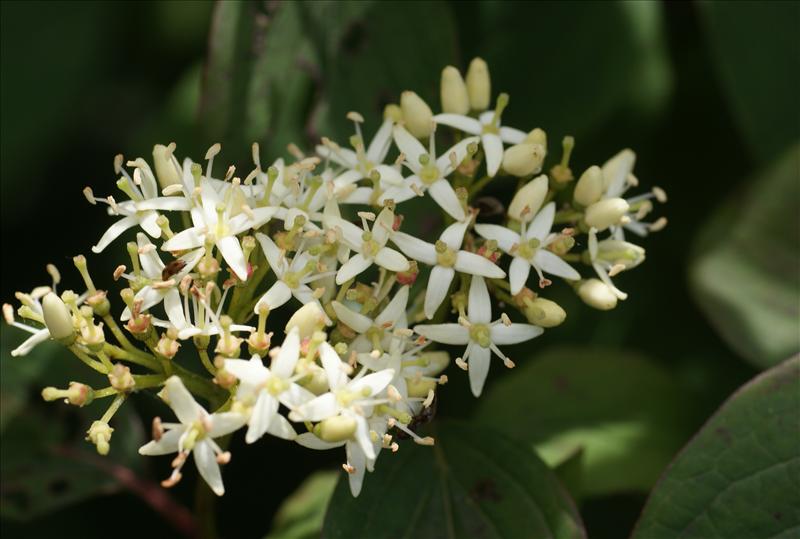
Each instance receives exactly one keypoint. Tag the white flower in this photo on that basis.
(611, 256)
(446, 258)
(430, 172)
(194, 434)
(154, 289)
(529, 249)
(33, 310)
(492, 134)
(219, 219)
(140, 210)
(199, 317)
(263, 389)
(370, 246)
(479, 334)
(291, 278)
(353, 400)
(373, 333)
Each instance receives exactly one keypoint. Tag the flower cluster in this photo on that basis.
(322, 238)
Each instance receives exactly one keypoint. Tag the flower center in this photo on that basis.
(479, 333)
(275, 386)
(527, 249)
(370, 247)
(444, 255)
(429, 173)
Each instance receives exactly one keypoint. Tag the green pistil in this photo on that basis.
(429, 173)
(275, 386)
(480, 334)
(527, 249)
(125, 186)
(444, 255)
(494, 125)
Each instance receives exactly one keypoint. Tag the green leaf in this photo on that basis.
(738, 477)
(624, 411)
(472, 483)
(754, 45)
(746, 276)
(300, 516)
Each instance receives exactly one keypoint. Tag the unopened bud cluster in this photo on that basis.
(212, 253)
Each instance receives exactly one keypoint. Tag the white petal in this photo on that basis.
(284, 363)
(395, 309)
(224, 423)
(342, 156)
(358, 322)
(251, 372)
(402, 193)
(479, 308)
(442, 192)
(363, 448)
(475, 264)
(504, 237)
(493, 149)
(174, 308)
(391, 260)
(148, 222)
(356, 459)
(593, 243)
(278, 294)
(540, 226)
(509, 135)
(166, 204)
(182, 402)
(459, 121)
(190, 260)
(281, 428)
(260, 217)
(445, 162)
(185, 239)
(383, 226)
(333, 366)
(296, 396)
(275, 257)
(513, 334)
(376, 382)
(410, 146)
(415, 248)
(518, 274)
(438, 287)
(166, 445)
(453, 235)
(479, 359)
(322, 407)
(353, 267)
(264, 411)
(28, 344)
(150, 261)
(312, 442)
(149, 297)
(554, 265)
(444, 333)
(206, 462)
(379, 147)
(115, 231)
(390, 176)
(232, 253)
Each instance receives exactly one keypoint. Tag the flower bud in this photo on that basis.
(419, 388)
(528, 200)
(523, 159)
(58, 319)
(536, 136)
(606, 213)
(336, 429)
(595, 293)
(479, 86)
(436, 362)
(589, 188)
(121, 378)
(307, 319)
(100, 435)
(545, 313)
(453, 91)
(166, 172)
(619, 165)
(393, 112)
(417, 115)
(622, 254)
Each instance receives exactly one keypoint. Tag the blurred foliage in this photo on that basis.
(738, 476)
(706, 93)
(478, 484)
(301, 515)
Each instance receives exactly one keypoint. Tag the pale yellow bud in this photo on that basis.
(545, 313)
(536, 136)
(58, 319)
(589, 188)
(393, 112)
(595, 293)
(523, 159)
(419, 388)
(528, 200)
(336, 429)
(166, 172)
(479, 85)
(436, 361)
(453, 91)
(417, 115)
(100, 435)
(618, 166)
(622, 254)
(606, 213)
(307, 319)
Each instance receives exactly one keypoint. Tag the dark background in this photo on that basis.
(82, 82)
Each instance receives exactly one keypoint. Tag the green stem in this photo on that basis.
(115, 404)
(144, 381)
(198, 385)
(476, 187)
(94, 364)
(206, 361)
(118, 334)
(144, 360)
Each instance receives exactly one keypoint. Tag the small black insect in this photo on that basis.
(425, 415)
(172, 268)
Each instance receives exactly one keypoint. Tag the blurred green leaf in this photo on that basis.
(472, 483)
(758, 59)
(746, 276)
(301, 514)
(738, 477)
(572, 70)
(623, 411)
